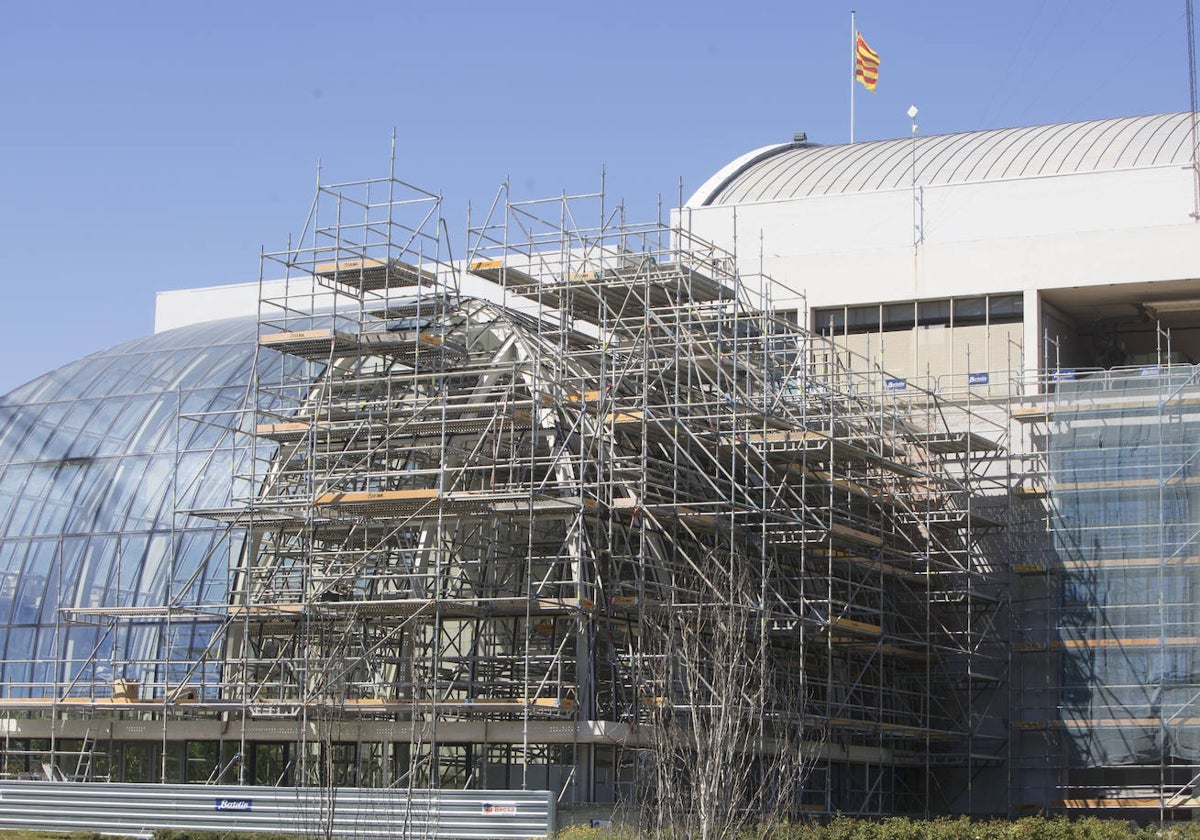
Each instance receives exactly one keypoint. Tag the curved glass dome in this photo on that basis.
(99, 462)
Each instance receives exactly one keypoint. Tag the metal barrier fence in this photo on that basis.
(139, 809)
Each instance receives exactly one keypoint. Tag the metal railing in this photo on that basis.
(139, 809)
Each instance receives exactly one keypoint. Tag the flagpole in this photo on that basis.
(853, 65)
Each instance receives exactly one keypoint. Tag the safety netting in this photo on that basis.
(1123, 458)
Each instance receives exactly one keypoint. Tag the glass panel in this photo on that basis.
(897, 316)
(933, 313)
(1005, 308)
(102, 422)
(156, 570)
(92, 483)
(36, 583)
(131, 419)
(107, 378)
(79, 662)
(12, 482)
(969, 311)
(91, 588)
(129, 570)
(12, 557)
(12, 428)
(862, 318)
(152, 501)
(827, 321)
(157, 429)
(17, 661)
(28, 505)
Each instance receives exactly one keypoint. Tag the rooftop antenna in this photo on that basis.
(917, 236)
(916, 205)
(1191, 39)
(392, 160)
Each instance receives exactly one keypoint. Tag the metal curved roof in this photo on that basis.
(791, 170)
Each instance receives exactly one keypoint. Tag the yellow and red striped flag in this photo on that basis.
(866, 63)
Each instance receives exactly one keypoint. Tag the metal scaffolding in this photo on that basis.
(502, 543)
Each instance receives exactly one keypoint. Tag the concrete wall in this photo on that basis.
(180, 307)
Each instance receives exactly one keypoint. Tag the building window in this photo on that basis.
(861, 319)
(970, 311)
(830, 321)
(1003, 309)
(904, 315)
(899, 316)
(933, 313)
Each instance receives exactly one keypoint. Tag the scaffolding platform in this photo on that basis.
(496, 271)
(1030, 489)
(321, 344)
(311, 344)
(608, 295)
(426, 502)
(955, 443)
(371, 275)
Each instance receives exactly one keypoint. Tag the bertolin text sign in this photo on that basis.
(235, 805)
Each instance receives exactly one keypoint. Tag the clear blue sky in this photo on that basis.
(155, 145)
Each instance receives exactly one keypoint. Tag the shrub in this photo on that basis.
(943, 828)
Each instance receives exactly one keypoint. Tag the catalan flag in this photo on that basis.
(866, 63)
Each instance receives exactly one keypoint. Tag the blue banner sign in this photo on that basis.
(235, 805)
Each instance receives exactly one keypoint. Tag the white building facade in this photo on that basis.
(1037, 247)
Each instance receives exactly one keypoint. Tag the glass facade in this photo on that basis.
(99, 462)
